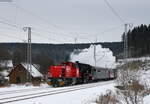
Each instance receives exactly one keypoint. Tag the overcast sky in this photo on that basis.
(60, 21)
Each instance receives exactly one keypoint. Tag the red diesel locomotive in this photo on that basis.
(70, 73)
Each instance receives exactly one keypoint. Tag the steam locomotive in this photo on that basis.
(71, 73)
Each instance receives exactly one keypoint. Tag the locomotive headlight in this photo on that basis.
(49, 80)
(59, 80)
(50, 75)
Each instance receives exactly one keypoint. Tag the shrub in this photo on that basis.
(108, 98)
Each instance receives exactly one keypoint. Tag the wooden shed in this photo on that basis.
(20, 74)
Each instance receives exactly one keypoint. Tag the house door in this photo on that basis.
(18, 80)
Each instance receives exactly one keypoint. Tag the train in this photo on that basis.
(72, 73)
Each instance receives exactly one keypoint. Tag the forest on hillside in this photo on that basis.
(47, 54)
(139, 41)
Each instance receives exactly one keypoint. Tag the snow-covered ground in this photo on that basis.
(13, 87)
(143, 73)
(83, 96)
(145, 77)
(104, 57)
(136, 59)
(147, 99)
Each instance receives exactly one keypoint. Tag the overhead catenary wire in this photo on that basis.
(41, 18)
(9, 24)
(103, 32)
(85, 38)
(45, 37)
(51, 32)
(114, 11)
(6, 28)
(10, 36)
(101, 58)
(16, 13)
(112, 29)
(46, 21)
(37, 34)
(15, 26)
(19, 27)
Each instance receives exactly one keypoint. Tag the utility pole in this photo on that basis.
(75, 40)
(126, 53)
(29, 57)
(125, 43)
(95, 51)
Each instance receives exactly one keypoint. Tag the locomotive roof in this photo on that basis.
(67, 62)
(101, 68)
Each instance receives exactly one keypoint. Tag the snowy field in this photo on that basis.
(83, 96)
(21, 87)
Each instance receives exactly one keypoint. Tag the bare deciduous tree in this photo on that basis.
(108, 98)
(130, 91)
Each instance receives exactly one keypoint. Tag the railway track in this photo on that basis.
(18, 91)
(16, 98)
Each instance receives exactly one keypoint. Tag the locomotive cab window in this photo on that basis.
(63, 72)
(74, 66)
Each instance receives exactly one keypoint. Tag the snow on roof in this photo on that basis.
(6, 63)
(34, 71)
(4, 73)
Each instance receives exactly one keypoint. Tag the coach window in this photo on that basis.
(99, 71)
(76, 66)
